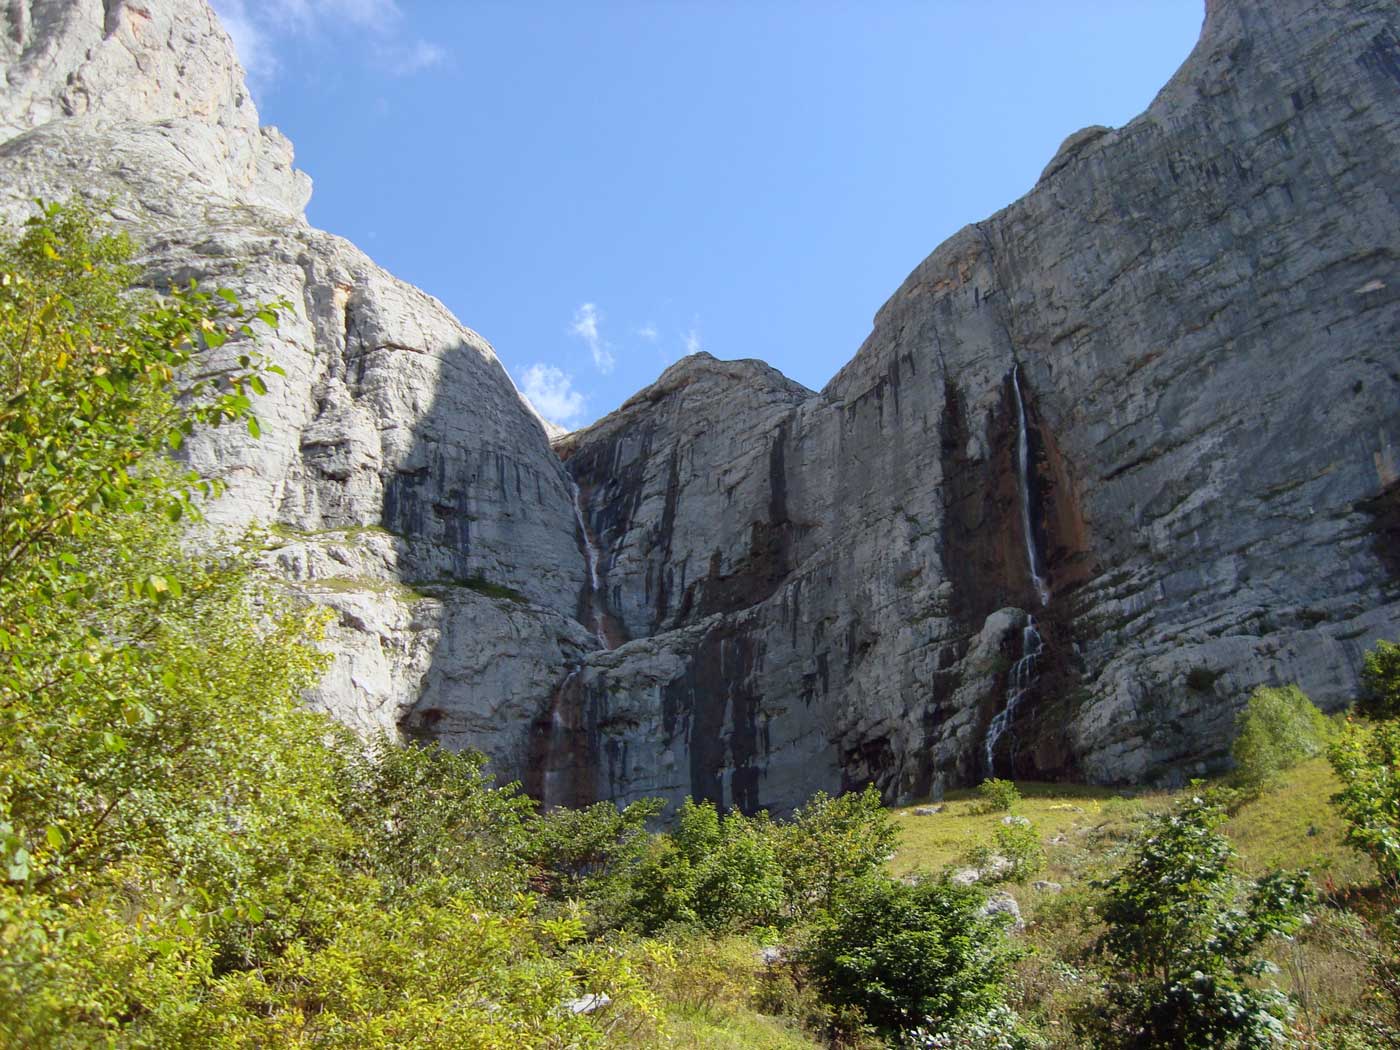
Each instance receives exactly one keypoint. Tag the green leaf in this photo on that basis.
(253, 427)
(54, 836)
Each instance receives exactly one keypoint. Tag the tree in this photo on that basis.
(831, 841)
(910, 957)
(1366, 759)
(1277, 729)
(1185, 939)
(1380, 682)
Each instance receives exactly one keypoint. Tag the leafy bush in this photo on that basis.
(1366, 759)
(910, 956)
(187, 857)
(1185, 936)
(1277, 729)
(998, 796)
(830, 841)
(718, 872)
(1380, 682)
(1020, 844)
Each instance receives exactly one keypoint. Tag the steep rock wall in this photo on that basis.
(1203, 309)
(407, 484)
(797, 589)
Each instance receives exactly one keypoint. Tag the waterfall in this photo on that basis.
(555, 781)
(1022, 674)
(1018, 683)
(1023, 466)
(595, 586)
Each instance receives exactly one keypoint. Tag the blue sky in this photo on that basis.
(600, 188)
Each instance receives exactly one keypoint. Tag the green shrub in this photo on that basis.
(1185, 939)
(910, 956)
(1020, 844)
(718, 872)
(1277, 729)
(1366, 759)
(998, 796)
(830, 841)
(1380, 682)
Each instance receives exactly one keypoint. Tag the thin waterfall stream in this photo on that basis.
(595, 587)
(1023, 672)
(561, 754)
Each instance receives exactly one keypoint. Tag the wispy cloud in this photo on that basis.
(692, 339)
(585, 326)
(257, 25)
(648, 332)
(551, 391)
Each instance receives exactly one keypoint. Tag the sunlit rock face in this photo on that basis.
(409, 486)
(1166, 382)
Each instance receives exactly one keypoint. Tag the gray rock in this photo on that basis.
(1004, 904)
(1046, 886)
(412, 489)
(1013, 821)
(927, 811)
(1195, 303)
(588, 1004)
(995, 867)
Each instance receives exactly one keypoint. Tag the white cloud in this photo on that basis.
(648, 332)
(585, 326)
(692, 340)
(551, 391)
(418, 56)
(256, 26)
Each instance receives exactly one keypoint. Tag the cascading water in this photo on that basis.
(1022, 674)
(595, 587)
(560, 755)
(1023, 466)
(1018, 683)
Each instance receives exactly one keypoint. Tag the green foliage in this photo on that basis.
(1020, 844)
(1185, 936)
(998, 796)
(910, 956)
(1366, 759)
(1277, 729)
(187, 857)
(1380, 682)
(830, 841)
(718, 872)
(425, 816)
(95, 387)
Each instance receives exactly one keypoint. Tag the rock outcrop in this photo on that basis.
(1141, 427)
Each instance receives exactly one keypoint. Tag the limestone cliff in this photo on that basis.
(1201, 310)
(408, 484)
(1108, 459)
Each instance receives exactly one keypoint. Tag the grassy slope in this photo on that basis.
(714, 998)
(1292, 824)
(1088, 830)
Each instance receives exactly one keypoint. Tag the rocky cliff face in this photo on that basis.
(1140, 427)
(407, 484)
(1200, 312)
